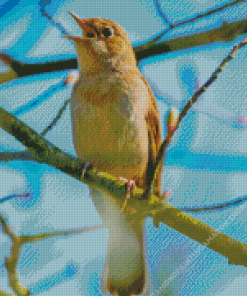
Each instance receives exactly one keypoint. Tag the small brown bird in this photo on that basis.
(116, 127)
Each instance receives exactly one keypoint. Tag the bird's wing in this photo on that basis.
(154, 137)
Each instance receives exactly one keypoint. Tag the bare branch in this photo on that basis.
(3, 199)
(234, 250)
(58, 25)
(210, 80)
(34, 238)
(2, 293)
(17, 242)
(11, 261)
(43, 152)
(162, 13)
(32, 104)
(225, 33)
(55, 120)
(22, 155)
(215, 207)
(71, 78)
(199, 16)
(190, 103)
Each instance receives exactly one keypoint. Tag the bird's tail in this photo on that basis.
(125, 267)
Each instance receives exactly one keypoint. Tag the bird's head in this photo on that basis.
(104, 46)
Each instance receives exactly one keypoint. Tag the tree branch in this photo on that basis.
(219, 206)
(175, 122)
(22, 155)
(11, 261)
(17, 242)
(179, 24)
(162, 13)
(225, 33)
(154, 207)
(70, 79)
(58, 25)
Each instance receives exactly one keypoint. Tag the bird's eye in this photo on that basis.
(90, 35)
(107, 32)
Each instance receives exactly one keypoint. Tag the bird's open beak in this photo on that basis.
(83, 24)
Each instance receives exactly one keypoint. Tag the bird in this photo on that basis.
(116, 127)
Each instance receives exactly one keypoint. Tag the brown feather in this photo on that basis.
(116, 127)
(154, 137)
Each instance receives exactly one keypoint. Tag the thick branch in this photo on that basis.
(153, 206)
(225, 33)
(235, 251)
(17, 242)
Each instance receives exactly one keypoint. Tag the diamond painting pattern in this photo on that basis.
(204, 172)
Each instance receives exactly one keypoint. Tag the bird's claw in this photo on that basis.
(87, 165)
(130, 187)
(165, 196)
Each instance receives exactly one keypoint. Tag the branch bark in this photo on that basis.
(17, 242)
(225, 33)
(235, 251)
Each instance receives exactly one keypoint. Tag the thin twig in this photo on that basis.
(5, 198)
(215, 207)
(162, 13)
(34, 238)
(190, 103)
(71, 78)
(60, 27)
(11, 261)
(199, 16)
(214, 76)
(55, 120)
(18, 241)
(32, 104)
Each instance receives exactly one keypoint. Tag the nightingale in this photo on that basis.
(116, 127)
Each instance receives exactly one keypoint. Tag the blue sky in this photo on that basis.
(206, 163)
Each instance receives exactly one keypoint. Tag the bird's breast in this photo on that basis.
(109, 127)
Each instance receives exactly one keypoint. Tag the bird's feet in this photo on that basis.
(87, 165)
(130, 187)
(166, 195)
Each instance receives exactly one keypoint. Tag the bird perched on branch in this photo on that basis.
(116, 127)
